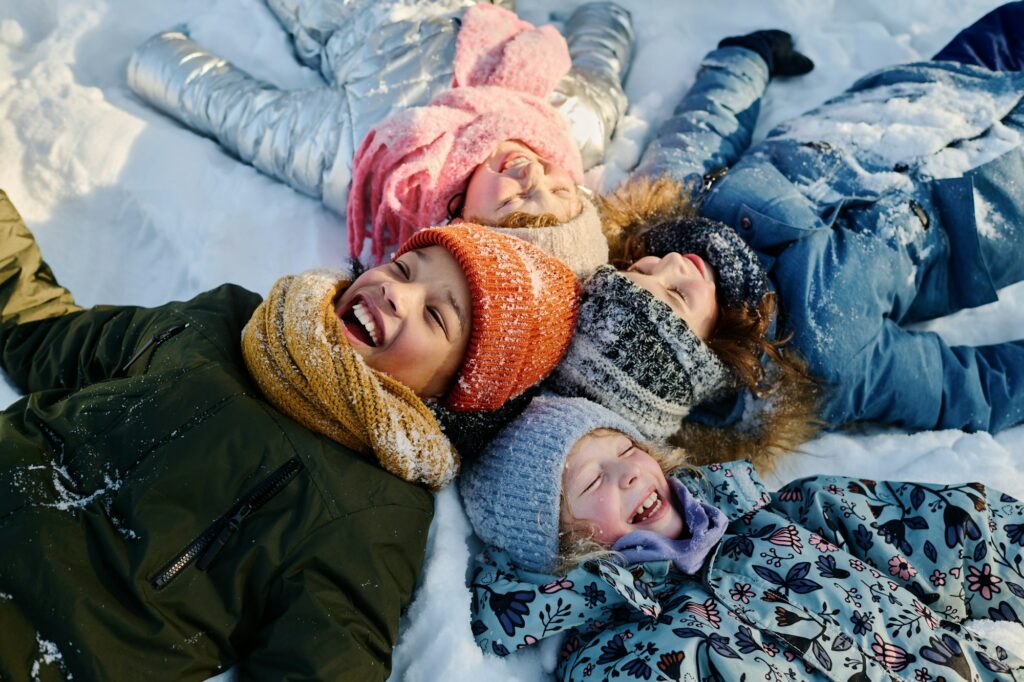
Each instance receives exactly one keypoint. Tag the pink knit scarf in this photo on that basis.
(411, 165)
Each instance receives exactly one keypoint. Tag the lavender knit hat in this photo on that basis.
(512, 491)
(633, 355)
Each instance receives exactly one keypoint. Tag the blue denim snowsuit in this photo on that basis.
(861, 236)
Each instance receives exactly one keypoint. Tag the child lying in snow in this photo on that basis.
(462, 105)
(857, 236)
(664, 573)
(181, 502)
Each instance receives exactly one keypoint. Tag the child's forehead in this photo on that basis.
(594, 443)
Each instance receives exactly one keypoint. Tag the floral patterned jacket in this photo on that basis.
(828, 579)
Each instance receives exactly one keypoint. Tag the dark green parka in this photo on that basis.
(160, 521)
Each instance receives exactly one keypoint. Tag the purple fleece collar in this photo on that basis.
(705, 526)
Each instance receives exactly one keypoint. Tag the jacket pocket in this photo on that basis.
(147, 349)
(208, 544)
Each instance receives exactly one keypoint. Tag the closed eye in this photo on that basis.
(593, 483)
(438, 319)
(680, 295)
(403, 269)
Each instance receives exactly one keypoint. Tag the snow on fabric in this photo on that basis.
(130, 208)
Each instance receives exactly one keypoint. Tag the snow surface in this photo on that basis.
(131, 208)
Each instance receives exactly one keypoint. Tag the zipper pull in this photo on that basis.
(156, 339)
(223, 536)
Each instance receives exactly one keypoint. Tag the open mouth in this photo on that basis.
(361, 325)
(650, 506)
(514, 160)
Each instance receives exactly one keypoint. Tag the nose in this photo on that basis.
(528, 174)
(673, 260)
(647, 265)
(629, 475)
(400, 297)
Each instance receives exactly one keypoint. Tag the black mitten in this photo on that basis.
(776, 48)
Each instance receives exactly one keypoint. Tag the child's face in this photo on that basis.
(411, 319)
(515, 180)
(684, 283)
(610, 488)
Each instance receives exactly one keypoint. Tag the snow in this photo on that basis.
(131, 208)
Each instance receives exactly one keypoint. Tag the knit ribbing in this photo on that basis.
(633, 355)
(740, 279)
(512, 491)
(524, 307)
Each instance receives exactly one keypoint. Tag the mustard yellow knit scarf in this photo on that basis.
(299, 356)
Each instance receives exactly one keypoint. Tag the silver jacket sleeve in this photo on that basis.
(293, 136)
(590, 96)
(379, 61)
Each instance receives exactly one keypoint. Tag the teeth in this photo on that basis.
(518, 161)
(366, 319)
(651, 504)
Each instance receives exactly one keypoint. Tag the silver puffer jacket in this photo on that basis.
(377, 58)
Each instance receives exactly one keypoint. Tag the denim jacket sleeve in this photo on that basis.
(712, 125)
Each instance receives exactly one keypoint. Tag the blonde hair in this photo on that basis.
(519, 219)
(740, 339)
(576, 547)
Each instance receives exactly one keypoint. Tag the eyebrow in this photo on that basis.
(449, 296)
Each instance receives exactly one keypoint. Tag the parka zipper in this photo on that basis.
(154, 342)
(211, 541)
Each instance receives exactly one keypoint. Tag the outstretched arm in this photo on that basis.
(713, 124)
(47, 341)
(28, 289)
(956, 547)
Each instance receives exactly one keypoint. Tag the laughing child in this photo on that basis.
(182, 501)
(657, 571)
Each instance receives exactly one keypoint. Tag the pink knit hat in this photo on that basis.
(411, 165)
(495, 47)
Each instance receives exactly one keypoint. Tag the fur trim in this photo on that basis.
(635, 206)
(784, 420)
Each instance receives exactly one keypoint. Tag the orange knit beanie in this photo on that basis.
(524, 311)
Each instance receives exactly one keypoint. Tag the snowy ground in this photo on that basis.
(131, 208)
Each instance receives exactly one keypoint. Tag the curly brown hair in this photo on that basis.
(740, 338)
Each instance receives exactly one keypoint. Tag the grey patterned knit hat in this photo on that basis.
(512, 492)
(740, 279)
(633, 355)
